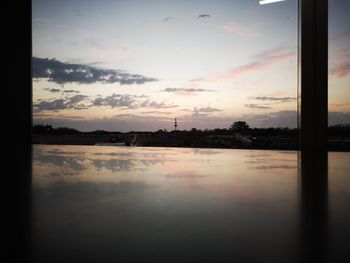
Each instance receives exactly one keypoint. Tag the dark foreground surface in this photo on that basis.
(135, 204)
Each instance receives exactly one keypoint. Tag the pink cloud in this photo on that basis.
(262, 61)
(340, 63)
(342, 36)
(341, 70)
(240, 30)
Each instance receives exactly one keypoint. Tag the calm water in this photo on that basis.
(125, 204)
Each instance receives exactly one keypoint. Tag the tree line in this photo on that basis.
(239, 126)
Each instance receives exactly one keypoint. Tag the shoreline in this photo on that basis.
(270, 142)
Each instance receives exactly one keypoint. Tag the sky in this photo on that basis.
(136, 65)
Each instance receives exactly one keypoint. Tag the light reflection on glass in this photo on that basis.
(236, 173)
(236, 203)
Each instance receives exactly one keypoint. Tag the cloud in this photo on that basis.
(129, 102)
(274, 99)
(61, 104)
(58, 104)
(240, 30)
(157, 105)
(339, 104)
(208, 109)
(115, 101)
(203, 112)
(342, 36)
(340, 70)
(71, 91)
(257, 106)
(263, 60)
(166, 19)
(204, 16)
(188, 90)
(269, 101)
(53, 90)
(61, 73)
(340, 63)
(157, 112)
(74, 101)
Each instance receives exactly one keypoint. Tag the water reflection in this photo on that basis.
(190, 205)
(159, 201)
(339, 208)
(211, 169)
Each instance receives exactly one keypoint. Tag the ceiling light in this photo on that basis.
(264, 2)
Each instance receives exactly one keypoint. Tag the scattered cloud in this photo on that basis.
(339, 104)
(157, 105)
(186, 91)
(341, 69)
(257, 106)
(71, 91)
(274, 99)
(262, 60)
(61, 104)
(240, 30)
(54, 90)
(158, 112)
(58, 104)
(280, 166)
(126, 101)
(204, 16)
(130, 102)
(203, 112)
(166, 19)
(342, 36)
(116, 101)
(61, 73)
(208, 109)
(340, 63)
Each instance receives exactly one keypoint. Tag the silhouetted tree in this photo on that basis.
(239, 126)
(100, 132)
(42, 129)
(65, 131)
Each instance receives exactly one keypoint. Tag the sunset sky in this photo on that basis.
(136, 65)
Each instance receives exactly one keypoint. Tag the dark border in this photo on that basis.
(16, 126)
